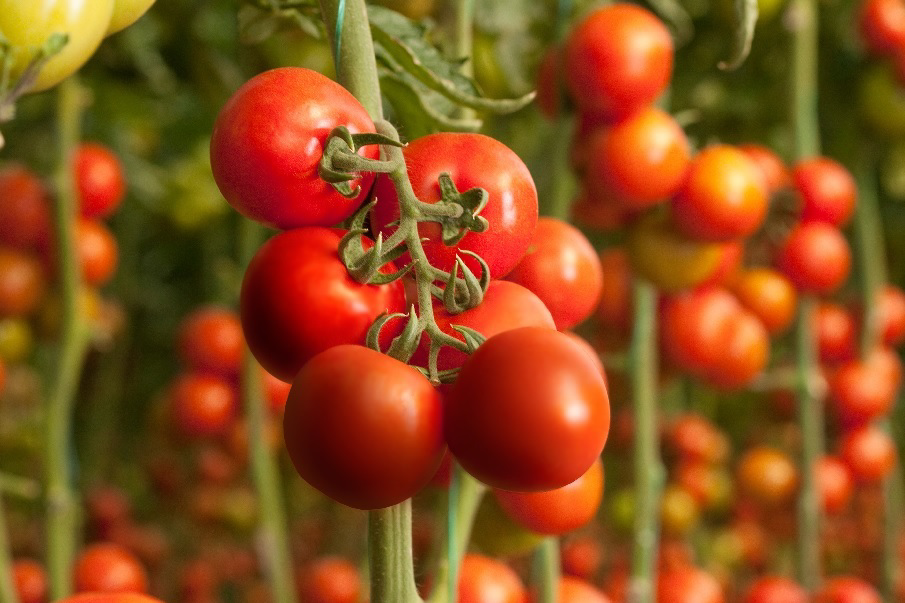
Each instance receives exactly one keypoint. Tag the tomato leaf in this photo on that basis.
(746, 19)
(419, 111)
(260, 19)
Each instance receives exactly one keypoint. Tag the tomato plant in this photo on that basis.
(30, 580)
(815, 257)
(109, 568)
(22, 283)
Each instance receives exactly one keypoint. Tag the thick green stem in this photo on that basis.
(390, 553)
(803, 25)
(546, 572)
(7, 583)
(62, 510)
(649, 472)
(273, 542)
(463, 34)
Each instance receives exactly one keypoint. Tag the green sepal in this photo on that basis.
(472, 202)
(404, 345)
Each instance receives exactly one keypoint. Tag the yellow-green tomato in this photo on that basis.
(127, 12)
(27, 24)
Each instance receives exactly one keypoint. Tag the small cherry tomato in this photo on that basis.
(827, 190)
(834, 483)
(769, 295)
(678, 511)
(485, 580)
(25, 211)
(869, 453)
(573, 590)
(99, 180)
(768, 476)
(30, 581)
(816, 258)
(776, 174)
(890, 311)
(862, 390)
(203, 405)
(582, 557)
(846, 589)
(882, 24)
(836, 333)
(694, 438)
(688, 585)
(22, 283)
(330, 580)
(211, 341)
(695, 328)
(97, 251)
(109, 568)
(774, 589)
(744, 355)
(109, 598)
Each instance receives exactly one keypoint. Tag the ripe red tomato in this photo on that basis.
(211, 341)
(769, 295)
(30, 581)
(97, 251)
(277, 392)
(109, 568)
(724, 196)
(617, 60)
(471, 160)
(640, 161)
(869, 453)
(694, 438)
(890, 310)
(834, 483)
(745, 355)
(815, 257)
(775, 589)
(615, 309)
(836, 333)
(99, 181)
(776, 174)
(768, 476)
(688, 585)
(330, 580)
(573, 590)
(109, 598)
(528, 412)
(846, 589)
(582, 557)
(732, 253)
(695, 328)
(709, 485)
(24, 213)
(21, 283)
(563, 270)
(268, 141)
(882, 24)
(363, 428)
(556, 511)
(298, 299)
(861, 391)
(828, 191)
(485, 580)
(203, 405)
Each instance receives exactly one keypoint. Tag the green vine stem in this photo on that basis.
(802, 22)
(546, 571)
(273, 541)
(390, 555)
(7, 583)
(62, 510)
(649, 471)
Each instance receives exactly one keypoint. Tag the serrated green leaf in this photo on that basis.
(418, 111)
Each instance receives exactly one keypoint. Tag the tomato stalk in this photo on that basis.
(62, 510)
(546, 570)
(390, 554)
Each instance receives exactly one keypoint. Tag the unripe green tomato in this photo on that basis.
(127, 12)
(881, 100)
(27, 24)
(16, 340)
(622, 510)
(497, 535)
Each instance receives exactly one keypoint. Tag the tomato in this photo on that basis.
(890, 315)
(768, 476)
(836, 333)
(211, 341)
(268, 141)
(641, 160)
(732, 253)
(484, 580)
(109, 568)
(497, 534)
(668, 258)
(563, 270)
(591, 352)
(528, 412)
(846, 589)
(869, 453)
(330, 580)
(21, 283)
(30, 581)
(25, 211)
(127, 12)
(99, 180)
(774, 589)
(363, 428)
(694, 438)
(815, 257)
(776, 174)
(203, 405)
(678, 511)
(828, 191)
(599, 211)
(723, 197)
(548, 95)
(28, 25)
(618, 59)
(882, 24)
(109, 598)
(573, 590)
(745, 355)
(298, 299)
(710, 486)
(861, 391)
(97, 251)
(615, 309)
(768, 295)
(557, 511)
(277, 392)
(834, 483)
(471, 160)
(506, 306)
(108, 510)
(582, 557)
(695, 328)
(688, 585)
(881, 98)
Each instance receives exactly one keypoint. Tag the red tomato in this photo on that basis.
(724, 196)
(528, 412)
(615, 309)
(30, 581)
(890, 311)
(776, 174)
(869, 453)
(21, 283)
(618, 59)
(298, 299)
(640, 161)
(592, 353)
(573, 590)
(211, 341)
(506, 306)
(694, 438)
(548, 95)
(582, 557)
(816, 258)
(330, 580)
(99, 181)
(845, 589)
(485, 580)
(768, 476)
(24, 213)
(861, 391)
(836, 333)
(774, 589)
(109, 598)
(363, 428)
(834, 483)
(745, 355)
(695, 328)
(732, 253)
(882, 24)
(109, 568)
(471, 160)
(268, 141)
(97, 251)
(710, 486)
(828, 191)
(688, 585)
(556, 511)
(769, 295)
(563, 270)
(203, 405)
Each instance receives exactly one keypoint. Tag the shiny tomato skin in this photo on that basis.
(617, 60)
(696, 439)
(485, 580)
(767, 476)
(363, 428)
(529, 411)
(22, 283)
(30, 581)
(330, 580)
(695, 328)
(776, 174)
(816, 258)
(25, 211)
(298, 299)
(573, 590)
(109, 568)
(828, 191)
(769, 295)
(556, 511)
(834, 484)
(862, 390)
(99, 180)
(837, 333)
(97, 251)
(724, 196)
(641, 160)
(732, 253)
(506, 306)
(846, 589)
(203, 405)
(882, 25)
(127, 12)
(745, 355)
(563, 270)
(471, 160)
(211, 341)
(268, 140)
(869, 453)
(688, 585)
(775, 589)
(582, 557)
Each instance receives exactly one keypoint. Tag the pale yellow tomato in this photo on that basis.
(127, 12)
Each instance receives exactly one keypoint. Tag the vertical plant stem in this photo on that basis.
(802, 19)
(61, 508)
(463, 34)
(390, 552)
(546, 572)
(7, 584)
(273, 541)
(649, 472)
